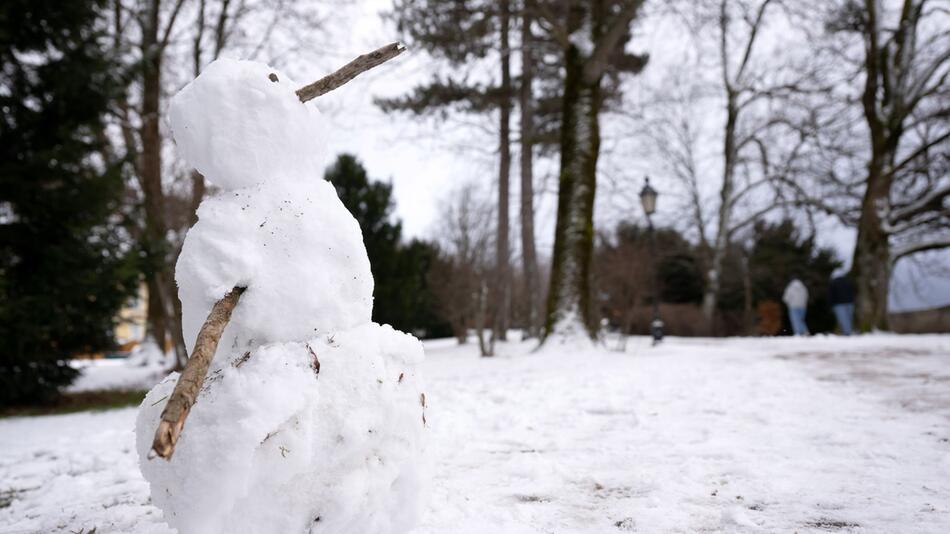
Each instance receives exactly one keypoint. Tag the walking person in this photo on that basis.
(841, 296)
(796, 298)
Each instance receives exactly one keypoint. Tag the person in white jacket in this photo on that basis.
(796, 298)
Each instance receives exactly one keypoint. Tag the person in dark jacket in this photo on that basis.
(841, 296)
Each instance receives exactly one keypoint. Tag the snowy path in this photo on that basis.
(784, 435)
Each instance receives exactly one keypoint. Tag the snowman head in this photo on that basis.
(240, 123)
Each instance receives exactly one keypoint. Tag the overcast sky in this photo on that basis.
(426, 160)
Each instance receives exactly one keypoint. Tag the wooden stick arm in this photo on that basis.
(189, 384)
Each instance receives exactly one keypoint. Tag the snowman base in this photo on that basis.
(298, 437)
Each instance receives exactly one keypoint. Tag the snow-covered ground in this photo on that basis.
(114, 374)
(696, 435)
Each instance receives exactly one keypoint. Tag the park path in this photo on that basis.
(816, 435)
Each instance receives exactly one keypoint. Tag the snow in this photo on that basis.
(312, 417)
(819, 434)
(240, 127)
(284, 448)
(296, 248)
(145, 366)
(116, 374)
(276, 227)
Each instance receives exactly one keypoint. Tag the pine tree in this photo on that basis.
(486, 26)
(401, 296)
(64, 269)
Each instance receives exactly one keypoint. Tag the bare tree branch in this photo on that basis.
(908, 249)
(918, 152)
(171, 24)
(753, 33)
(932, 201)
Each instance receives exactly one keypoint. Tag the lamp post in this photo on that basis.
(648, 201)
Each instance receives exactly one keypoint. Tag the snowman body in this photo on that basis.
(311, 418)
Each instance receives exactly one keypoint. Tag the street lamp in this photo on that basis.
(648, 201)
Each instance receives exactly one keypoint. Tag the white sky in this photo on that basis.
(427, 160)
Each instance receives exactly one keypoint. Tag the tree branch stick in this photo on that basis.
(192, 378)
(349, 71)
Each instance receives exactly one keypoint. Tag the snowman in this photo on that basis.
(311, 417)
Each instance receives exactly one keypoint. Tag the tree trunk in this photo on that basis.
(163, 322)
(748, 317)
(502, 285)
(485, 346)
(155, 327)
(569, 311)
(711, 291)
(529, 255)
(721, 242)
(871, 266)
(198, 188)
(151, 169)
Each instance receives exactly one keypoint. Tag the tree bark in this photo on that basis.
(486, 344)
(569, 310)
(871, 269)
(748, 317)
(156, 328)
(164, 323)
(723, 227)
(568, 307)
(529, 255)
(871, 265)
(189, 384)
(502, 285)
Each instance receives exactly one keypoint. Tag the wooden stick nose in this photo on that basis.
(349, 71)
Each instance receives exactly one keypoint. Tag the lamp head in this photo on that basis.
(648, 198)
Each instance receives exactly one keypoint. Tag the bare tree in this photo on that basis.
(153, 37)
(760, 142)
(900, 200)
(460, 279)
(621, 278)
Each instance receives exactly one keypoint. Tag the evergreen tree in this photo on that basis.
(485, 27)
(401, 296)
(64, 271)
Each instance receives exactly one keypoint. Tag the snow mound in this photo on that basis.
(272, 445)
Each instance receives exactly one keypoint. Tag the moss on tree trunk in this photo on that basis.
(569, 295)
